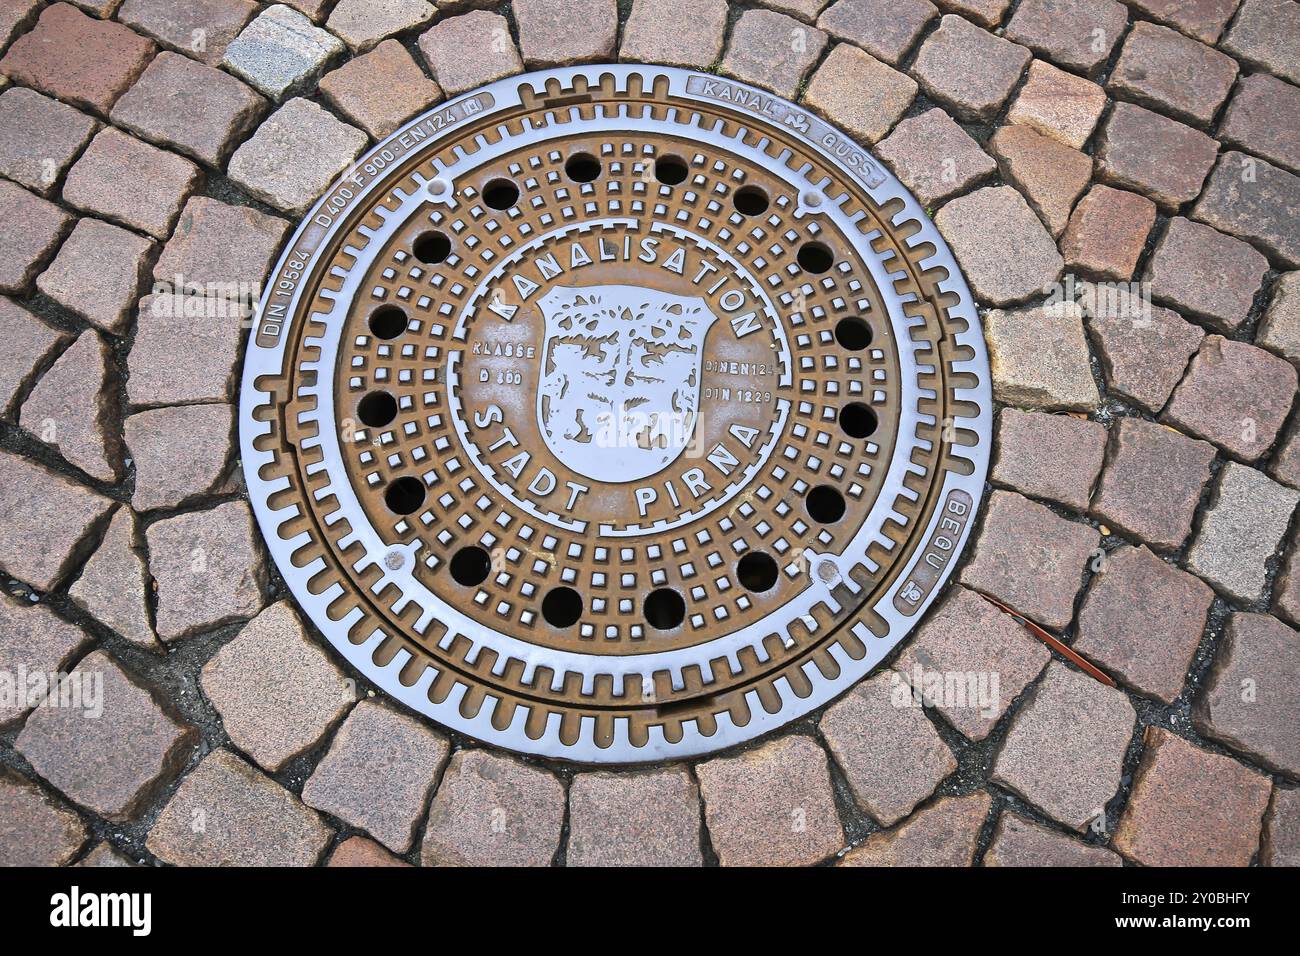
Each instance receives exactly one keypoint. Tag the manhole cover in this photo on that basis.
(615, 413)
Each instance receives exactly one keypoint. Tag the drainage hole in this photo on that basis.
(665, 609)
(751, 201)
(431, 247)
(562, 607)
(404, 496)
(853, 333)
(470, 566)
(815, 257)
(825, 504)
(757, 571)
(387, 322)
(501, 194)
(377, 409)
(670, 170)
(582, 167)
(857, 420)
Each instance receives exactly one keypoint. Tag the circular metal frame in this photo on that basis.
(855, 604)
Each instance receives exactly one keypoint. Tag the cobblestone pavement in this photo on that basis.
(1141, 500)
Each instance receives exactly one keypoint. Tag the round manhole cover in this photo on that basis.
(615, 414)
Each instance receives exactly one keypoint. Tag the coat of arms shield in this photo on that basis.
(618, 393)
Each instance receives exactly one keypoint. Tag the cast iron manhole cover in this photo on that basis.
(615, 413)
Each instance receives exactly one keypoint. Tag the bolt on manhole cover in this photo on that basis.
(616, 413)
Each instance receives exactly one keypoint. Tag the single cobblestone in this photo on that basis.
(220, 251)
(71, 408)
(113, 584)
(39, 138)
(1057, 457)
(30, 347)
(1143, 354)
(36, 641)
(15, 17)
(1050, 175)
(1058, 104)
(1266, 34)
(357, 851)
(130, 182)
(772, 51)
(281, 53)
(78, 59)
(47, 518)
(470, 50)
(98, 273)
(379, 772)
(1152, 483)
(1065, 750)
(362, 24)
(1038, 358)
(493, 810)
(1154, 155)
(1020, 265)
(30, 231)
(1240, 531)
(934, 157)
(1256, 201)
(771, 806)
(859, 94)
(1018, 841)
(1030, 559)
(1251, 120)
(656, 31)
(34, 830)
(248, 820)
(1203, 20)
(1235, 395)
(195, 109)
(185, 350)
(1078, 34)
(944, 834)
(968, 636)
(561, 32)
(1250, 697)
(890, 753)
(968, 70)
(1143, 620)
(381, 90)
(1182, 793)
(295, 155)
(1280, 843)
(1279, 328)
(208, 568)
(1204, 274)
(1107, 232)
(198, 28)
(887, 29)
(277, 691)
(117, 761)
(179, 453)
(634, 819)
(1167, 71)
